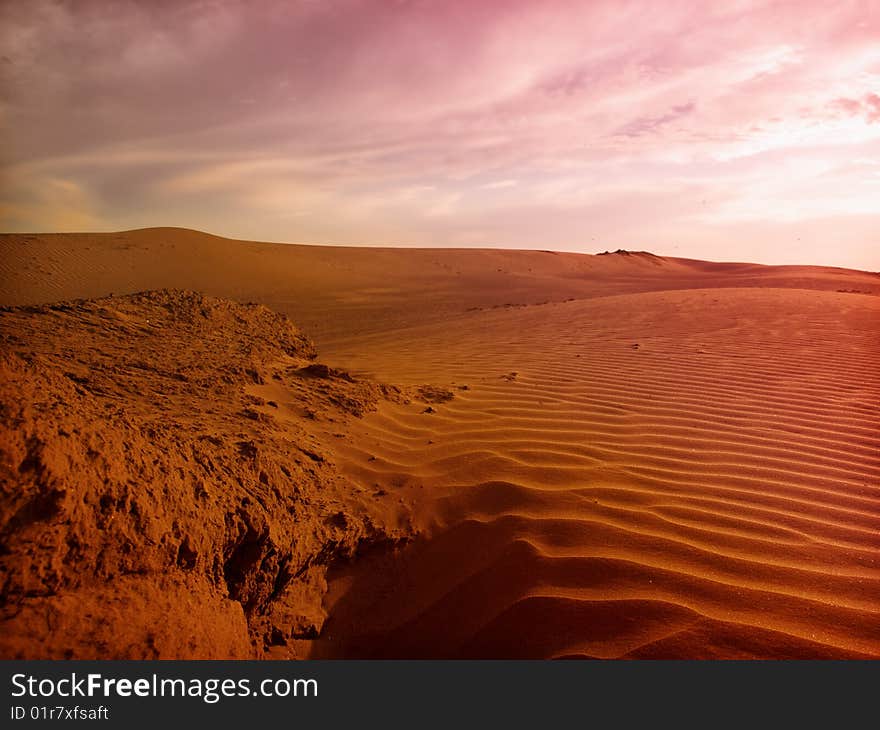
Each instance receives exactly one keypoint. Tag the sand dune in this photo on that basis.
(336, 293)
(689, 473)
(619, 456)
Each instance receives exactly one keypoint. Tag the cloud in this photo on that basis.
(367, 121)
(646, 125)
(56, 204)
(868, 107)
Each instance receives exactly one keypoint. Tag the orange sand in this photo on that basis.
(643, 457)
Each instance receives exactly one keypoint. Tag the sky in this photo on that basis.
(734, 131)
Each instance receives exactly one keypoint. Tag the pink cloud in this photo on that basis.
(370, 121)
(872, 104)
(868, 107)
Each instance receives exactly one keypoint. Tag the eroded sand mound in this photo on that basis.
(152, 503)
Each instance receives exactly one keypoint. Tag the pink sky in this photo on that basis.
(722, 131)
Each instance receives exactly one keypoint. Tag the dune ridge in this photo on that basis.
(615, 456)
(335, 292)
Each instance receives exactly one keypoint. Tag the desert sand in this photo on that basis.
(433, 453)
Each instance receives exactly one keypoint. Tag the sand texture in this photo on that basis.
(154, 503)
(571, 456)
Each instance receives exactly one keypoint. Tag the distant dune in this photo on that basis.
(334, 292)
(620, 455)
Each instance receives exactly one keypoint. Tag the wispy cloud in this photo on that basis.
(714, 130)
